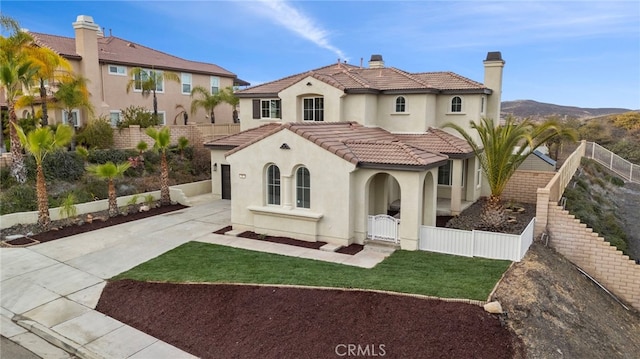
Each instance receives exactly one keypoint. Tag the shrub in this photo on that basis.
(68, 206)
(6, 179)
(114, 155)
(19, 198)
(58, 165)
(96, 134)
(136, 115)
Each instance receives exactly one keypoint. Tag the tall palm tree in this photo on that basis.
(501, 151)
(16, 72)
(39, 143)
(110, 171)
(230, 98)
(148, 81)
(50, 66)
(72, 93)
(162, 140)
(207, 101)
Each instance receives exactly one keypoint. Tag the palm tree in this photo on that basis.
(148, 82)
(39, 143)
(49, 64)
(207, 101)
(501, 151)
(72, 93)
(162, 140)
(16, 72)
(110, 171)
(230, 98)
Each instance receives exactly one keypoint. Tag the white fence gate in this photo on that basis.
(476, 243)
(383, 227)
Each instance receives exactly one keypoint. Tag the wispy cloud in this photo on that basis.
(296, 21)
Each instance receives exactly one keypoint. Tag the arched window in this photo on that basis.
(400, 104)
(303, 188)
(273, 185)
(456, 104)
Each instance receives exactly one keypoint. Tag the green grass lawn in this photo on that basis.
(417, 272)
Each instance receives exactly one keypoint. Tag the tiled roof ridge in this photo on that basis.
(410, 76)
(441, 134)
(274, 81)
(277, 127)
(329, 80)
(357, 79)
(38, 41)
(450, 73)
(410, 150)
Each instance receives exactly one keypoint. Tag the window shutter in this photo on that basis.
(256, 109)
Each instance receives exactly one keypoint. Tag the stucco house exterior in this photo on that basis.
(325, 150)
(106, 60)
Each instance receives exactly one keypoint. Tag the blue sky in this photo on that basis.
(572, 53)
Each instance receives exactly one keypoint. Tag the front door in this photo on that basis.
(226, 181)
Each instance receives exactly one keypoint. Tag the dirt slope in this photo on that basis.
(559, 313)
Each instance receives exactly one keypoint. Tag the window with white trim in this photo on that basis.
(456, 104)
(482, 105)
(313, 109)
(74, 119)
(185, 79)
(303, 188)
(139, 78)
(114, 117)
(401, 104)
(445, 174)
(478, 173)
(162, 118)
(273, 185)
(215, 84)
(117, 70)
(270, 109)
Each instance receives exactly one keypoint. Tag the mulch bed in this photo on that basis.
(97, 223)
(244, 321)
(351, 249)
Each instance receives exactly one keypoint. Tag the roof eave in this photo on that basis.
(257, 95)
(484, 91)
(410, 91)
(400, 167)
(213, 146)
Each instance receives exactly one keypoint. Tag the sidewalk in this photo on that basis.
(48, 292)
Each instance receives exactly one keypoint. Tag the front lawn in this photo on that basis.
(416, 272)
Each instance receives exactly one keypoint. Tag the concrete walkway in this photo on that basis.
(48, 292)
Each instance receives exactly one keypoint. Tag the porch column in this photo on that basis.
(286, 192)
(411, 189)
(456, 187)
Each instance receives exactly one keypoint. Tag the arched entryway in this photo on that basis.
(383, 207)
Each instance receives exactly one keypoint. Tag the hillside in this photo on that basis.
(539, 110)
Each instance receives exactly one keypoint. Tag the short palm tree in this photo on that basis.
(16, 72)
(148, 82)
(110, 171)
(72, 93)
(162, 140)
(501, 151)
(39, 143)
(206, 100)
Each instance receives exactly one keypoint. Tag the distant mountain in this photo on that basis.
(538, 110)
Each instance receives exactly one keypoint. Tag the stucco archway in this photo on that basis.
(383, 194)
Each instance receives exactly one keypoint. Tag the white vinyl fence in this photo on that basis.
(382, 227)
(476, 243)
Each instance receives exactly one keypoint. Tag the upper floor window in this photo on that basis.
(71, 119)
(270, 109)
(273, 185)
(215, 84)
(401, 104)
(145, 75)
(117, 70)
(313, 109)
(185, 79)
(456, 104)
(303, 188)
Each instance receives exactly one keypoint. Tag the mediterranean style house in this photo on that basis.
(106, 60)
(326, 150)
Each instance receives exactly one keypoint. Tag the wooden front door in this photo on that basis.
(226, 181)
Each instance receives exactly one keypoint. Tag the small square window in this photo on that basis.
(117, 70)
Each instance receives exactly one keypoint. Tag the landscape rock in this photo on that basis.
(144, 208)
(493, 307)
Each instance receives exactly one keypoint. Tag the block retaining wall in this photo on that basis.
(594, 255)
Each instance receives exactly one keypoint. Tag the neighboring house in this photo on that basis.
(328, 148)
(538, 161)
(106, 61)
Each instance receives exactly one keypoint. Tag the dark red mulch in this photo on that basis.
(223, 230)
(351, 249)
(227, 321)
(282, 240)
(99, 223)
(21, 241)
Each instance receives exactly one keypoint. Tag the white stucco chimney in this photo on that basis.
(493, 66)
(86, 32)
(376, 62)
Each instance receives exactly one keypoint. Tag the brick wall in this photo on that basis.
(131, 136)
(523, 185)
(594, 255)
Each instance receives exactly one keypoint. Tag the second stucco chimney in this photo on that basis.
(86, 32)
(493, 66)
(376, 62)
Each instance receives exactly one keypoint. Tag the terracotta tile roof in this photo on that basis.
(437, 140)
(352, 78)
(119, 51)
(245, 137)
(362, 146)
